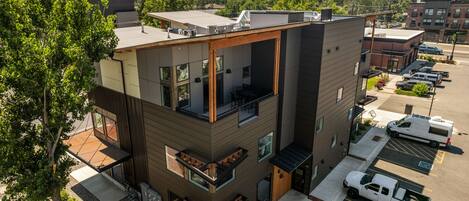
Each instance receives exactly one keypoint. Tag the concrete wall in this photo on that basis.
(265, 20)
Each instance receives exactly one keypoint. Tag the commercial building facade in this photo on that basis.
(246, 114)
(440, 19)
(393, 49)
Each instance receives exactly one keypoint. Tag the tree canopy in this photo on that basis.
(48, 49)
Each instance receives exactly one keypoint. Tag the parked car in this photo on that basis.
(409, 84)
(433, 130)
(431, 77)
(378, 187)
(428, 69)
(424, 48)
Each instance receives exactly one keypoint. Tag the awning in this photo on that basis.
(371, 73)
(95, 152)
(291, 157)
(357, 111)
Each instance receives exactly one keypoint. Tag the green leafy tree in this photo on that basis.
(147, 6)
(420, 89)
(295, 5)
(47, 53)
(234, 7)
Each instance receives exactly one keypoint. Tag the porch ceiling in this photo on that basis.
(95, 152)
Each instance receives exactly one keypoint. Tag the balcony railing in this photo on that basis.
(246, 104)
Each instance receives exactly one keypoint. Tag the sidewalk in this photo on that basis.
(361, 155)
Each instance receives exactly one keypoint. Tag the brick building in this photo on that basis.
(393, 49)
(440, 19)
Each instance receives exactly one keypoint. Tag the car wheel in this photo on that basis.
(352, 193)
(434, 144)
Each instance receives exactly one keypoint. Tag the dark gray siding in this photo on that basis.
(131, 137)
(262, 62)
(308, 83)
(364, 68)
(341, 52)
(210, 141)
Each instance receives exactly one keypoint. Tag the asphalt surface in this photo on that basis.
(438, 173)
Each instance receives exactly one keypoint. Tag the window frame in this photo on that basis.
(356, 68)
(188, 99)
(340, 94)
(178, 71)
(163, 96)
(319, 124)
(262, 158)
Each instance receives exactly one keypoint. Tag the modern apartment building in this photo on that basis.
(226, 112)
(440, 19)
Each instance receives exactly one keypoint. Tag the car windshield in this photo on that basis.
(400, 121)
(366, 179)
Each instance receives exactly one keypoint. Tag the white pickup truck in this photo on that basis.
(378, 188)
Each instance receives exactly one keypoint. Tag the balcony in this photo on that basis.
(215, 172)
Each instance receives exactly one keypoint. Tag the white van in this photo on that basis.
(433, 130)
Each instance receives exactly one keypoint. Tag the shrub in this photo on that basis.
(367, 122)
(404, 92)
(420, 89)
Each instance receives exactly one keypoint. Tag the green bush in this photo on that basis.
(420, 89)
(66, 197)
(404, 92)
(367, 122)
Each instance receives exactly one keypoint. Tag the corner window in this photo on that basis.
(165, 73)
(182, 72)
(183, 95)
(265, 147)
(171, 163)
(166, 96)
(334, 141)
(340, 92)
(319, 124)
(355, 70)
(200, 182)
(350, 114)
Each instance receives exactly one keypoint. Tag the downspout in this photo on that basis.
(126, 106)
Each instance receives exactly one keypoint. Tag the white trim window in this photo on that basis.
(265, 147)
(340, 93)
(171, 163)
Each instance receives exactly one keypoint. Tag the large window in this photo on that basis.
(183, 95)
(219, 66)
(105, 125)
(340, 93)
(200, 182)
(171, 163)
(165, 73)
(319, 124)
(265, 146)
(165, 96)
(429, 11)
(182, 72)
(441, 11)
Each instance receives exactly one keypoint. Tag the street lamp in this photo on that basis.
(433, 98)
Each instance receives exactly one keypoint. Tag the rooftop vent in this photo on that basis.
(326, 14)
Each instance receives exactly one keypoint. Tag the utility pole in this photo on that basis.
(431, 104)
(455, 36)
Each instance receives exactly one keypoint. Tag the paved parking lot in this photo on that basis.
(439, 173)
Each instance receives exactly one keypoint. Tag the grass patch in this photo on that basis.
(404, 92)
(372, 83)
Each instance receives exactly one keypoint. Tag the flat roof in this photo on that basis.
(133, 36)
(397, 34)
(193, 17)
